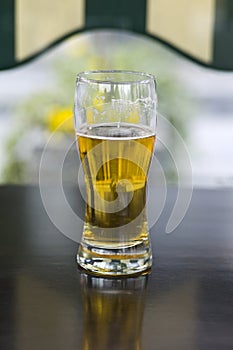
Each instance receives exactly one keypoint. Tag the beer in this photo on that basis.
(115, 160)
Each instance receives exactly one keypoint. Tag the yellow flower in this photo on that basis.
(60, 119)
(99, 101)
(90, 116)
(98, 105)
(133, 116)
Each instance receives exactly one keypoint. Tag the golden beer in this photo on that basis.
(115, 161)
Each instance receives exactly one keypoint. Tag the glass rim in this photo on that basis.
(83, 77)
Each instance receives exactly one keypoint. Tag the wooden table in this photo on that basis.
(186, 302)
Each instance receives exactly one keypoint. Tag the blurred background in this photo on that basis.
(37, 97)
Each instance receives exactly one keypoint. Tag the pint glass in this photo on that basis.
(115, 124)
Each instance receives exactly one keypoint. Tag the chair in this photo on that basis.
(200, 30)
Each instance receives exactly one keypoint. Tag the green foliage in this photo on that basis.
(14, 171)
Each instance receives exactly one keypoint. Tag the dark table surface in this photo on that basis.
(186, 302)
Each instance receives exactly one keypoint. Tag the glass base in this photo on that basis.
(115, 262)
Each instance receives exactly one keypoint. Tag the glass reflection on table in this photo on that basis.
(113, 312)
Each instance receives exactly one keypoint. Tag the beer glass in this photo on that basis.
(115, 124)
